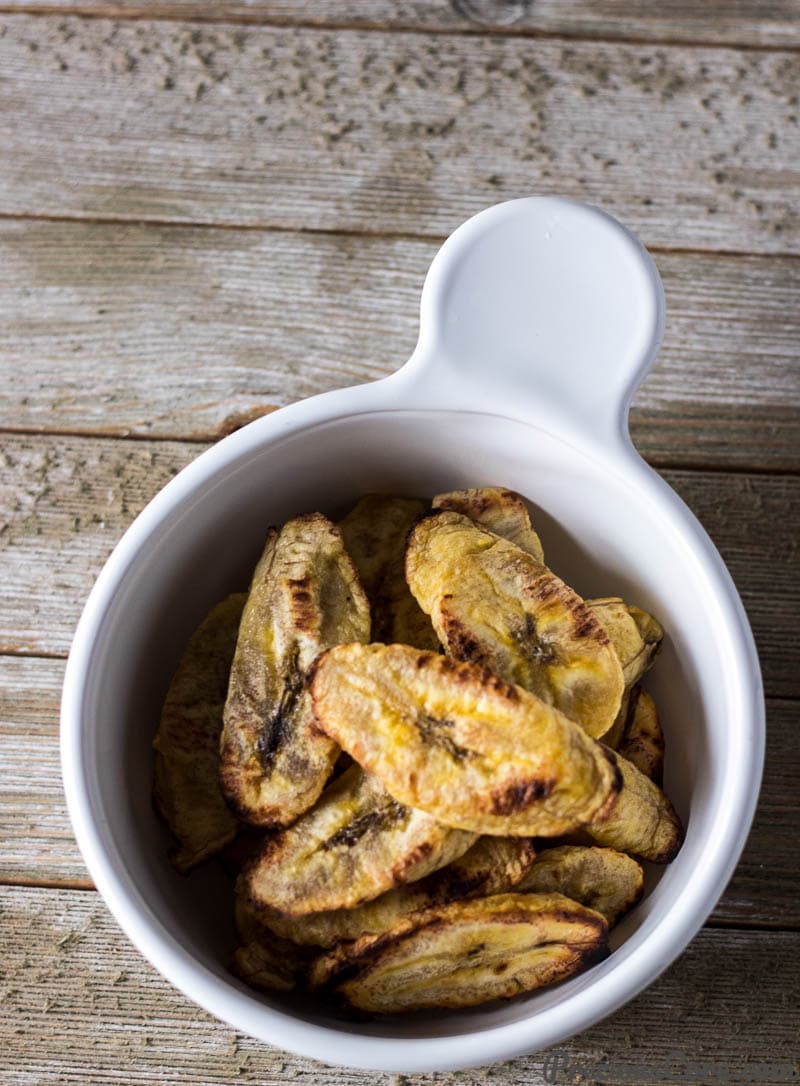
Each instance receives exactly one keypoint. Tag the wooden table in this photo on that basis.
(210, 210)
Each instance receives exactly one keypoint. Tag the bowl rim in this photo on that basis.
(542, 1028)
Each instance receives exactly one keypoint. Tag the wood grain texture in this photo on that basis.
(185, 332)
(733, 22)
(36, 840)
(368, 131)
(37, 844)
(81, 1005)
(66, 502)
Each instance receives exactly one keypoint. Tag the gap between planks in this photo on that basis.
(84, 886)
(347, 233)
(658, 463)
(365, 26)
(406, 136)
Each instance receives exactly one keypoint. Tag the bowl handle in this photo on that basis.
(541, 308)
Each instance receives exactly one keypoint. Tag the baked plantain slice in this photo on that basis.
(600, 878)
(404, 621)
(650, 629)
(305, 596)
(186, 786)
(374, 532)
(493, 865)
(464, 954)
(500, 510)
(641, 820)
(643, 740)
(452, 739)
(263, 960)
(356, 843)
(494, 604)
(636, 637)
(266, 962)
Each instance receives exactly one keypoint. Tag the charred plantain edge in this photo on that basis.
(617, 785)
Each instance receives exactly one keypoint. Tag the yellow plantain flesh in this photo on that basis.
(600, 878)
(356, 843)
(636, 637)
(641, 820)
(374, 532)
(304, 597)
(500, 510)
(642, 741)
(493, 865)
(492, 603)
(452, 739)
(464, 954)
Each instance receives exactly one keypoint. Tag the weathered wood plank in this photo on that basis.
(80, 1004)
(182, 332)
(764, 889)
(732, 22)
(369, 131)
(66, 501)
(37, 840)
(38, 847)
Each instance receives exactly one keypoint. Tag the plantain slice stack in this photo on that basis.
(374, 532)
(264, 960)
(464, 954)
(642, 741)
(502, 511)
(384, 808)
(494, 604)
(186, 788)
(452, 739)
(600, 878)
(493, 865)
(356, 843)
(636, 637)
(305, 596)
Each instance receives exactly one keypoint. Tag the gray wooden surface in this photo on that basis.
(208, 211)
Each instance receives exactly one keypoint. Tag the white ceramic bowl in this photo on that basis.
(539, 319)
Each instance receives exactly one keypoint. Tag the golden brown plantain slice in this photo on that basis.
(452, 739)
(643, 740)
(494, 865)
(600, 878)
(402, 620)
(186, 787)
(265, 966)
(500, 510)
(266, 962)
(263, 960)
(636, 637)
(650, 630)
(374, 532)
(465, 953)
(494, 604)
(305, 596)
(356, 843)
(641, 819)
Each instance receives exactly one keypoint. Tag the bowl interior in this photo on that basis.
(600, 533)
